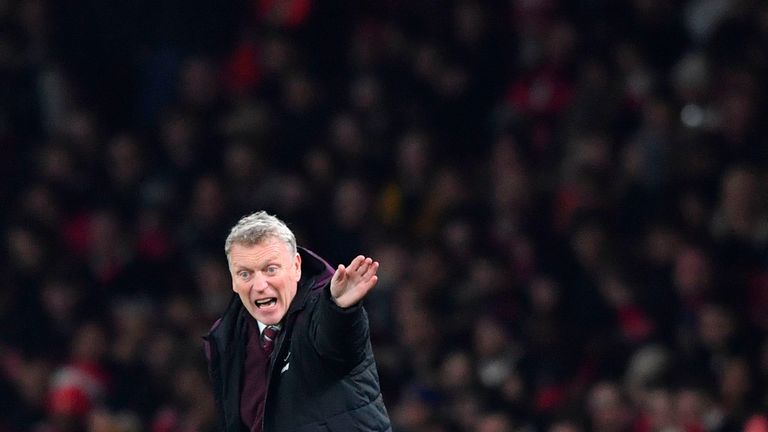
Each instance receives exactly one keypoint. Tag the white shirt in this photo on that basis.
(262, 326)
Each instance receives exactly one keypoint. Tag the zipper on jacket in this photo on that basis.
(271, 365)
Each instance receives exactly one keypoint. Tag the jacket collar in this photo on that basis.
(315, 274)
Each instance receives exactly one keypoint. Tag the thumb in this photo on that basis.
(341, 273)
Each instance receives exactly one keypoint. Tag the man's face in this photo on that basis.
(265, 276)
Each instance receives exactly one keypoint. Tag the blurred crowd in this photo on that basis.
(568, 201)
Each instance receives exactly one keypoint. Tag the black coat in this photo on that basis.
(322, 375)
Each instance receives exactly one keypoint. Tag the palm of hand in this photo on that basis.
(351, 284)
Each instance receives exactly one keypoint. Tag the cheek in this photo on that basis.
(287, 289)
(239, 287)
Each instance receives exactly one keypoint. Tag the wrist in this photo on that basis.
(333, 300)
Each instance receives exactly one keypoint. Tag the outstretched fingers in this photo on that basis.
(356, 263)
(350, 284)
(365, 264)
(340, 274)
(371, 270)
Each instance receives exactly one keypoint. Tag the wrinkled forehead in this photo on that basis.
(265, 247)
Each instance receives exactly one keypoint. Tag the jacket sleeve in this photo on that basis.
(339, 335)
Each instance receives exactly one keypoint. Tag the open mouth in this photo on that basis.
(267, 302)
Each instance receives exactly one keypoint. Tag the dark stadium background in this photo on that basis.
(568, 200)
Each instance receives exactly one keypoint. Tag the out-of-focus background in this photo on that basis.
(568, 200)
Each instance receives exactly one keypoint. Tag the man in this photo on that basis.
(294, 353)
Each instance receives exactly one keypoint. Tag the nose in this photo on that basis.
(259, 283)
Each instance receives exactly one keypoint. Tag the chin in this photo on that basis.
(270, 318)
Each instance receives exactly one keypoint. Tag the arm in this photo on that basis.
(339, 324)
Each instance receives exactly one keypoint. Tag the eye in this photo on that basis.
(243, 274)
(271, 270)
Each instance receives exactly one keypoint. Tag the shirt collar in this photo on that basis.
(262, 326)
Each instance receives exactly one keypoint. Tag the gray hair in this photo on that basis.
(256, 228)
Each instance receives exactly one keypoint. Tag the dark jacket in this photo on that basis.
(322, 375)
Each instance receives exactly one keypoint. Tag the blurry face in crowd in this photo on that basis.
(265, 276)
(564, 426)
(606, 407)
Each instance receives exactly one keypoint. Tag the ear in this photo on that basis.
(297, 267)
(231, 273)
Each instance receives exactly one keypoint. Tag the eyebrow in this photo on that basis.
(241, 267)
(261, 263)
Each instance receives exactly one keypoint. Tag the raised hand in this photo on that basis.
(350, 284)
